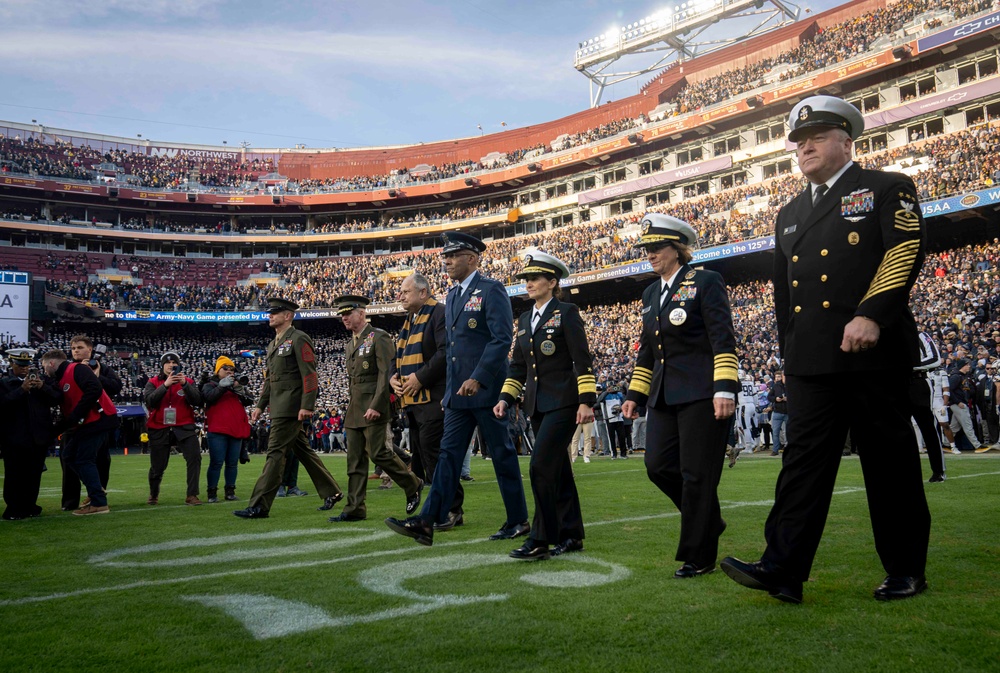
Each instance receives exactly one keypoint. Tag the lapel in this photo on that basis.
(544, 318)
(807, 215)
(459, 300)
(673, 287)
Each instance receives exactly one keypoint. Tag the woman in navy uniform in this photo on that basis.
(686, 376)
(553, 368)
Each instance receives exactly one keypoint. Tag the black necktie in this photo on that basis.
(818, 194)
(534, 321)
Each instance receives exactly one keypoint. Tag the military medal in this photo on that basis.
(678, 316)
(689, 275)
(547, 347)
(364, 365)
(853, 238)
(472, 323)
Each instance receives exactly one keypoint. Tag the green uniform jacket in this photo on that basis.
(290, 381)
(368, 363)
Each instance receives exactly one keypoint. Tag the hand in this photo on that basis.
(96, 368)
(370, 415)
(500, 410)
(961, 405)
(26, 385)
(226, 382)
(629, 410)
(412, 385)
(469, 388)
(396, 384)
(586, 415)
(860, 334)
(724, 408)
(305, 414)
(255, 415)
(173, 379)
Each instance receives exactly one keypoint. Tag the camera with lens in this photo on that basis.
(100, 350)
(243, 380)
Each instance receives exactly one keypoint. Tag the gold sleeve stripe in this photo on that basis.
(641, 387)
(725, 357)
(586, 384)
(511, 387)
(643, 371)
(639, 376)
(894, 269)
(726, 374)
(907, 220)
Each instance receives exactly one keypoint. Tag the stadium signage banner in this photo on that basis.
(172, 152)
(15, 298)
(934, 103)
(983, 23)
(655, 180)
(143, 315)
(727, 251)
(954, 204)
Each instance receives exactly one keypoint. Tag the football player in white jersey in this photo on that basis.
(746, 412)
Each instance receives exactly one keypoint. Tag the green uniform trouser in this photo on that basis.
(360, 443)
(288, 435)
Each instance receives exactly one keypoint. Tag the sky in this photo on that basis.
(323, 74)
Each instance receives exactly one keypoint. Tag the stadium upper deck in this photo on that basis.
(859, 42)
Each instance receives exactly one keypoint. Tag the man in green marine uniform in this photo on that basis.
(369, 358)
(290, 388)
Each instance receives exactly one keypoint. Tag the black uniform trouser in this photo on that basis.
(22, 469)
(877, 410)
(425, 447)
(557, 504)
(616, 437)
(160, 441)
(920, 399)
(70, 480)
(685, 448)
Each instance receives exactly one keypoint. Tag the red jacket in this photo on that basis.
(228, 416)
(174, 397)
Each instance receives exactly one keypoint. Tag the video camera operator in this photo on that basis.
(83, 351)
(228, 425)
(170, 399)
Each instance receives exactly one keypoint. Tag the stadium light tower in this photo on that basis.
(672, 34)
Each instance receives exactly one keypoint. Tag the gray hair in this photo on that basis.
(421, 283)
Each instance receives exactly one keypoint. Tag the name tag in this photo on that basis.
(788, 230)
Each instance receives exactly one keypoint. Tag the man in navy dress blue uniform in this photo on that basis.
(847, 251)
(478, 322)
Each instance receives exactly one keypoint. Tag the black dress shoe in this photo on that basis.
(763, 576)
(251, 513)
(414, 527)
(895, 588)
(532, 551)
(511, 531)
(13, 517)
(454, 519)
(936, 478)
(328, 503)
(689, 570)
(344, 516)
(414, 501)
(566, 546)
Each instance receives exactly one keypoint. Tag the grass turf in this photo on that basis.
(177, 588)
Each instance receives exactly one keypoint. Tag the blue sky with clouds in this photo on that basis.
(326, 74)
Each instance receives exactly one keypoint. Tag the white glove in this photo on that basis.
(226, 382)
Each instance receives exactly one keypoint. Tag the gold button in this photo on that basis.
(661, 361)
(798, 308)
(795, 258)
(533, 365)
(660, 346)
(795, 283)
(826, 304)
(824, 252)
(536, 378)
(823, 278)
(682, 303)
(657, 332)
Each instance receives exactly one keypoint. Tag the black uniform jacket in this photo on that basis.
(687, 347)
(857, 253)
(26, 416)
(553, 366)
(432, 373)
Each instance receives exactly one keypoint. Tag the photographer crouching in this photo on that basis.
(83, 351)
(88, 416)
(228, 425)
(170, 401)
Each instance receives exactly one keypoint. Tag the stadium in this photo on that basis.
(152, 246)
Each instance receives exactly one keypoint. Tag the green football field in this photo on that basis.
(177, 588)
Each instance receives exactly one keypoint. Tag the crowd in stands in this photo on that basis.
(834, 44)
(956, 300)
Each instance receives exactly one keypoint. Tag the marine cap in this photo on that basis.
(828, 111)
(659, 229)
(21, 356)
(537, 263)
(348, 302)
(277, 305)
(456, 241)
